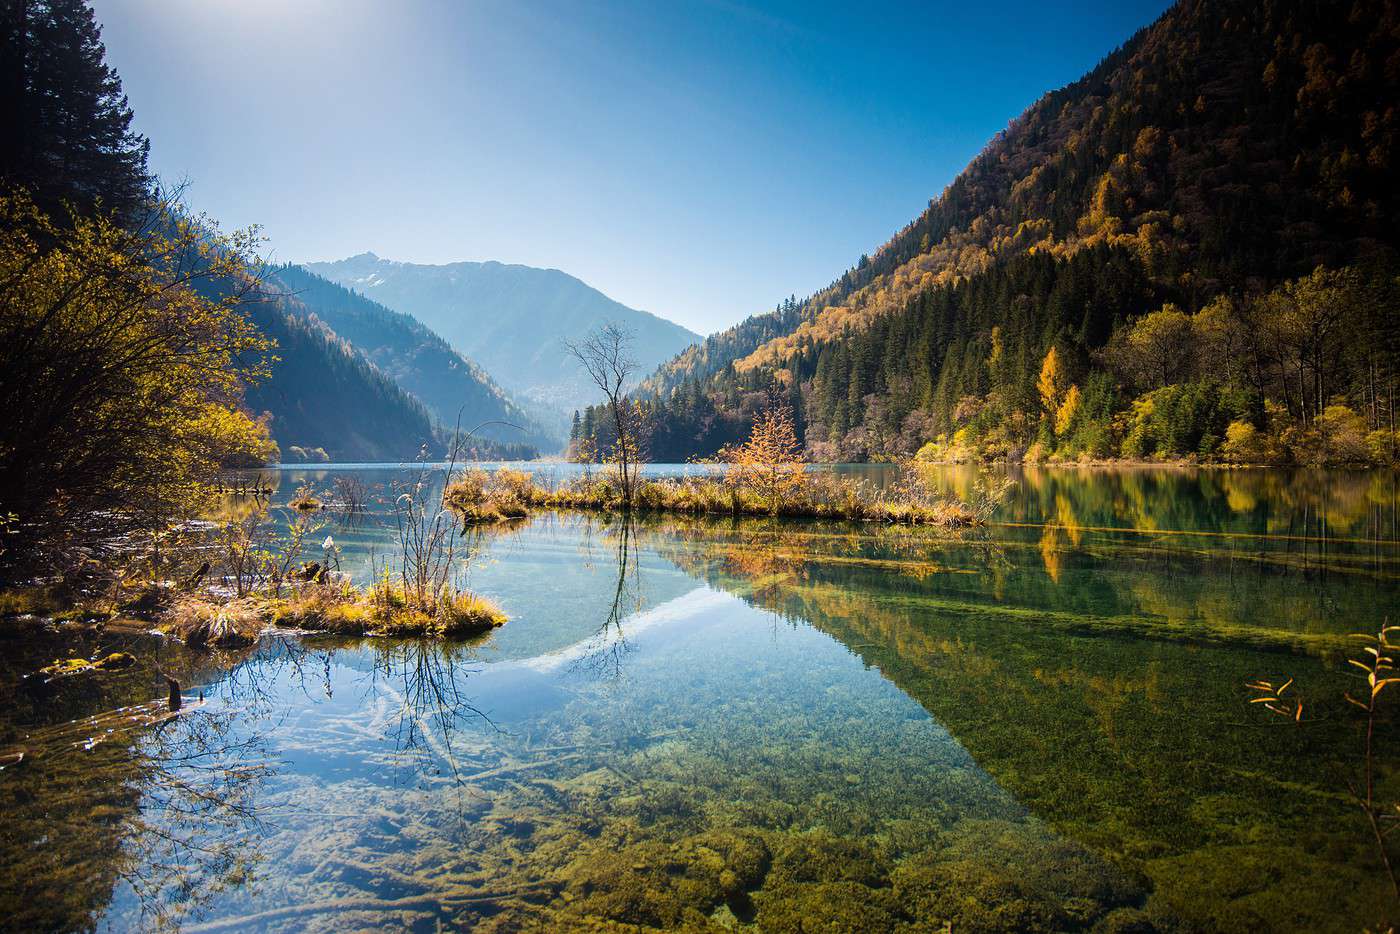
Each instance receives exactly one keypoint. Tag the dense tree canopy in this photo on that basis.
(121, 377)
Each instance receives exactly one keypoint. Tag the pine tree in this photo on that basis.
(68, 135)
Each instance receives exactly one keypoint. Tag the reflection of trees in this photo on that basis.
(149, 812)
(1303, 502)
(195, 833)
(427, 680)
(604, 652)
(1134, 745)
(1297, 549)
(763, 557)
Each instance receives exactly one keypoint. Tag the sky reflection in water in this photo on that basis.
(1039, 726)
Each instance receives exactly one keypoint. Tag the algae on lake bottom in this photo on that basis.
(704, 725)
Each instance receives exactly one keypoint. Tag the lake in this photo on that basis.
(1039, 725)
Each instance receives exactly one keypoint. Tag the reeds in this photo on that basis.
(476, 496)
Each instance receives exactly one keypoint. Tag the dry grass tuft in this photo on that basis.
(480, 497)
(201, 620)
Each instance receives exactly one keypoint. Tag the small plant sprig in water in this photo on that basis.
(1378, 664)
(1273, 698)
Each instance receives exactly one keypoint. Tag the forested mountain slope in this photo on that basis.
(512, 320)
(450, 385)
(1226, 148)
(328, 402)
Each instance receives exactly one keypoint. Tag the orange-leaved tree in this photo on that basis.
(770, 461)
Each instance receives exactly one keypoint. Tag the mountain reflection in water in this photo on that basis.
(1040, 725)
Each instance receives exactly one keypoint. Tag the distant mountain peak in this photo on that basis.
(511, 318)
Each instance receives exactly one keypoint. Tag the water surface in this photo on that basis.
(701, 724)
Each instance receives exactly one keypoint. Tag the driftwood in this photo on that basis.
(520, 767)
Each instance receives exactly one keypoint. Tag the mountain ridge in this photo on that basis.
(449, 384)
(1222, 149)
(510, 318)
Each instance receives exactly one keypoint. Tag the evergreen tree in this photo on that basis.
(68, 135)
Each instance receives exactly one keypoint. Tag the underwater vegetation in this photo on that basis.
(667, 801)
(702, 723)
(1136, 748)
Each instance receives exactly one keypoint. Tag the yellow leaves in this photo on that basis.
(998, 348)
(131, 374)
(770, 461)
(1376, 667)
(1064, 416)
(1275, 701)
(1149, 140)
(1050, 384)
(231, 437)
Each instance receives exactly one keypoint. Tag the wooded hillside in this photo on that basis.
(1224, 151)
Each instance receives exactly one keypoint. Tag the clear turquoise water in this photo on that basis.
(702, 724)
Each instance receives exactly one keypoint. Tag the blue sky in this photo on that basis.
(701, 160)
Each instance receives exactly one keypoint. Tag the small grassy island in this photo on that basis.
(339, 607)
(764, 476)
(478, 496)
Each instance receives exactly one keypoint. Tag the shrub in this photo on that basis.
(1244, 444)
(1340, 436)
(123, 377)
(1383, 446)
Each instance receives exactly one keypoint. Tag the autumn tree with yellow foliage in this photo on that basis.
(1051, 384)
(770, 461)
(123, 355)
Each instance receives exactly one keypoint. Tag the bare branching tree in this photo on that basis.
(606, 356)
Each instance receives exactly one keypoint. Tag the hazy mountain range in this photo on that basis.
(512, 320)
(354, 381)
(453, 388)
